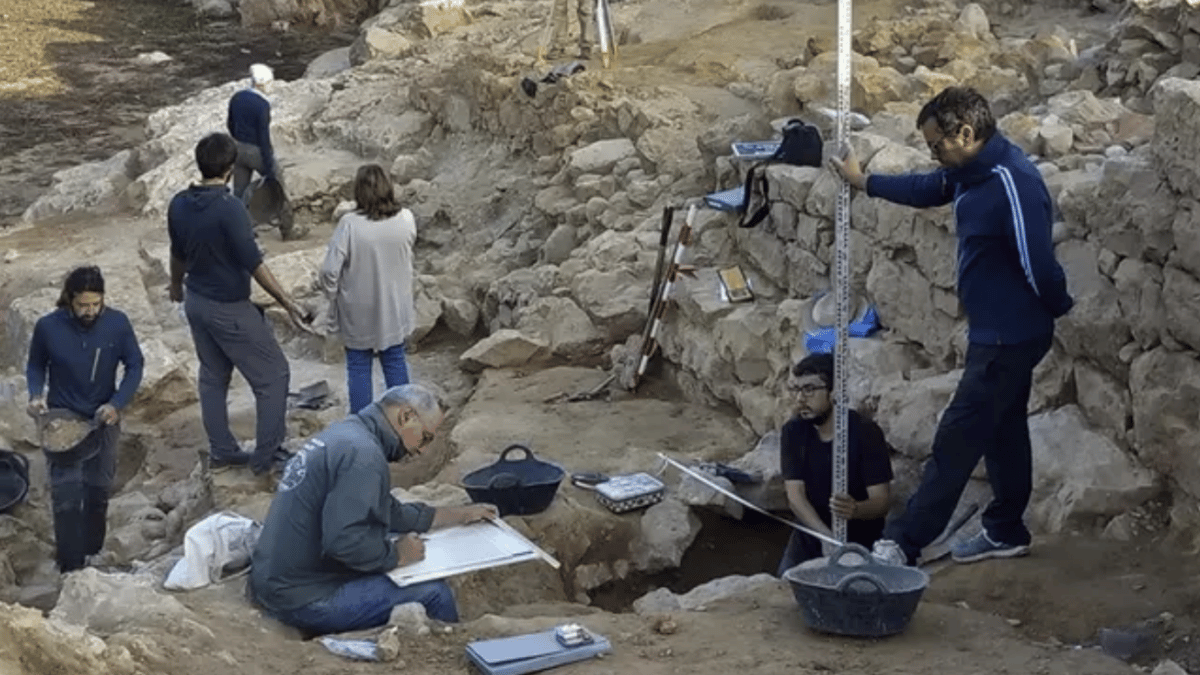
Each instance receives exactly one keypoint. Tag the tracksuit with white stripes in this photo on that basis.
(1012, 289)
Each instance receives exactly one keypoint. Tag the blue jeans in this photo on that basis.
(987, 418)
(368, 602)
(358, 373)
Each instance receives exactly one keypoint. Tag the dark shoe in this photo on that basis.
(279, 459)
(223, 463)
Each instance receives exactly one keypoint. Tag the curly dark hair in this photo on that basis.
(87, 279)
(955, 107)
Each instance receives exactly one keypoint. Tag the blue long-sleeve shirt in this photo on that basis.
(249, 121)
(1009, 281)
(82, 362)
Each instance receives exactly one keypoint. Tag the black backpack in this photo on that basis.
(801, 146)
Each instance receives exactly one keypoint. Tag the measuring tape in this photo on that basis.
(841, 272)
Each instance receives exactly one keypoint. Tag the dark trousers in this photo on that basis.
(79, 493)
(232, 335)
(987, 418)
(249, 161)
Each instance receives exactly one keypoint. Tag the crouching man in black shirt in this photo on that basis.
(806, 462)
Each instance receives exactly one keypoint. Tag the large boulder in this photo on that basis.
(316, 12)
(1166, 405)
(1095, 327)
(106, 604)
(1176, 130)
(166, 162)
(35, 644)
(1081, 475)
(667, 530)
(908, 412)
(94, 188)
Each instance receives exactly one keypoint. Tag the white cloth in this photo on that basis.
(368, 276)
(219, 541)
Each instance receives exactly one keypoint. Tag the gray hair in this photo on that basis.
(419, 398)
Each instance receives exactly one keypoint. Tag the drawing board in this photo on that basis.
(468, 548)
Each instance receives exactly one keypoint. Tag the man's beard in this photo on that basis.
(818, 420)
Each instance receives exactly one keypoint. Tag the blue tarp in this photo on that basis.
(822, 340)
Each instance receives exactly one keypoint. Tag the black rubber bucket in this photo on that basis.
(14, 479)
(867, 600)
(518, 487)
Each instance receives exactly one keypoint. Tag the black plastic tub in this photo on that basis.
(517, 487)
(867, 600)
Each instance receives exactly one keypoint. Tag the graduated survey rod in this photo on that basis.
(750, 505)
(841, 402)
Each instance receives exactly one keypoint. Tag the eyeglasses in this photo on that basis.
(807, 390)
(426, 439)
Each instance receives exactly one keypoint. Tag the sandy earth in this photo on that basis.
(1025, 616)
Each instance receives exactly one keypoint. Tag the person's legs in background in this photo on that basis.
(359, 389)
(395, 365)
(368, 602)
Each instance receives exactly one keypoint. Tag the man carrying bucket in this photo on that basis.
(330, 537)
(806, 462)
(79, 346)
(1012, 289)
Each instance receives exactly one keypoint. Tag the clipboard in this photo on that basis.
(736, 286)
(468, 548)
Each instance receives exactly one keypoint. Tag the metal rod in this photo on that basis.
(748, 504)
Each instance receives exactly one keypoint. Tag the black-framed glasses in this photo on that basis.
(426, 439)
(807, 390)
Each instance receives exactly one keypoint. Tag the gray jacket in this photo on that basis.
(368, 276)
(332, 514)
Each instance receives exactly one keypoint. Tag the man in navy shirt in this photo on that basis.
(249, 123)
(80, 345)
(1012, 290)
(806, 462)
(213, 248)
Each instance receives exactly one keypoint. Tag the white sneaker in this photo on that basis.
(888, 552)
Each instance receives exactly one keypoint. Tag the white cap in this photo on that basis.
(261, 74)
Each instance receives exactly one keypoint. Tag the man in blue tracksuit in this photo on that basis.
(80, 345)
(1012, 289)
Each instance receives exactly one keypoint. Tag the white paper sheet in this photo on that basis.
(466, 548)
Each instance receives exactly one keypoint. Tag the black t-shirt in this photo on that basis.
(805, 457)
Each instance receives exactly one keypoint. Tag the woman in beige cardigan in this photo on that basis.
(368, 276)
